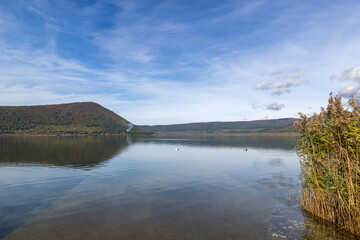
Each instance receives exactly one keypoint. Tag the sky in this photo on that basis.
(174, 61)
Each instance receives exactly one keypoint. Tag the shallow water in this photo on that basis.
(153, 188)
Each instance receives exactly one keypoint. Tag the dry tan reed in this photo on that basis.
(329, 151)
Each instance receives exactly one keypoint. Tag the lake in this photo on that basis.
(118, 187)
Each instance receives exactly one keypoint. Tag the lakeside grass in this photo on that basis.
(329, 151)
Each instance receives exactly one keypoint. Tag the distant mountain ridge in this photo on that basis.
(71, 118)
(283, 125)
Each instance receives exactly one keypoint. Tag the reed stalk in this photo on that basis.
(329, 151)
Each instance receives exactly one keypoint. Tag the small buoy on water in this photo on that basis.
(177, 149)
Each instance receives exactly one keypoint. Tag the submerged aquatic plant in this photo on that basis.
(329, 152)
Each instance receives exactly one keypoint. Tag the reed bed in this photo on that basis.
(329, 151)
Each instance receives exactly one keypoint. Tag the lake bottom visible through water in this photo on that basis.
(113, 187)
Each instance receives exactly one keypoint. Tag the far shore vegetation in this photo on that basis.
(195, 133)
(85, 118)
(329, 152)
(88, 118)
(255, 127)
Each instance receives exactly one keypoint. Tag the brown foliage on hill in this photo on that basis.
(73, 118)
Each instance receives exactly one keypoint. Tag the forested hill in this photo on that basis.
(72, 118)
(258, 126)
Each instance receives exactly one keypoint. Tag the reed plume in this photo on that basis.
(329, 151)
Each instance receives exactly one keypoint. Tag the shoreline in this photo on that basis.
(285, 134)
(73, 135)
(161, 134)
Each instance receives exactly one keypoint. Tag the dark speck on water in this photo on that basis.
(113, 187)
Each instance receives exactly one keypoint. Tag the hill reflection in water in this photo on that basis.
(73, 151)
(209, 189)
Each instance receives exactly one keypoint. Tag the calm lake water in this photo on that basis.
(152, 188)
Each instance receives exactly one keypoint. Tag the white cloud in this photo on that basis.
(352, 87)
(350, 74)
(350, 90)
(210, 79)
(279, 87)
(296, 73)
(274, 106)
(268, 85)
(280, 91)
(269, 107)
(119, 45)
(28, 68)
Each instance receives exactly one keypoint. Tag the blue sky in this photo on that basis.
(162, 62)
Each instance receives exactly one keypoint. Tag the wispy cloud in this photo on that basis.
(350, 74)
(350, 90)
(296, 73)
(171, 62)
(352, 78)
(280, 91)
(274, 106)
(269, 107)
(278, 87)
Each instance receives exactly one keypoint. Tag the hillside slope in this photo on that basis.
(72, 118)
(257, 126)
